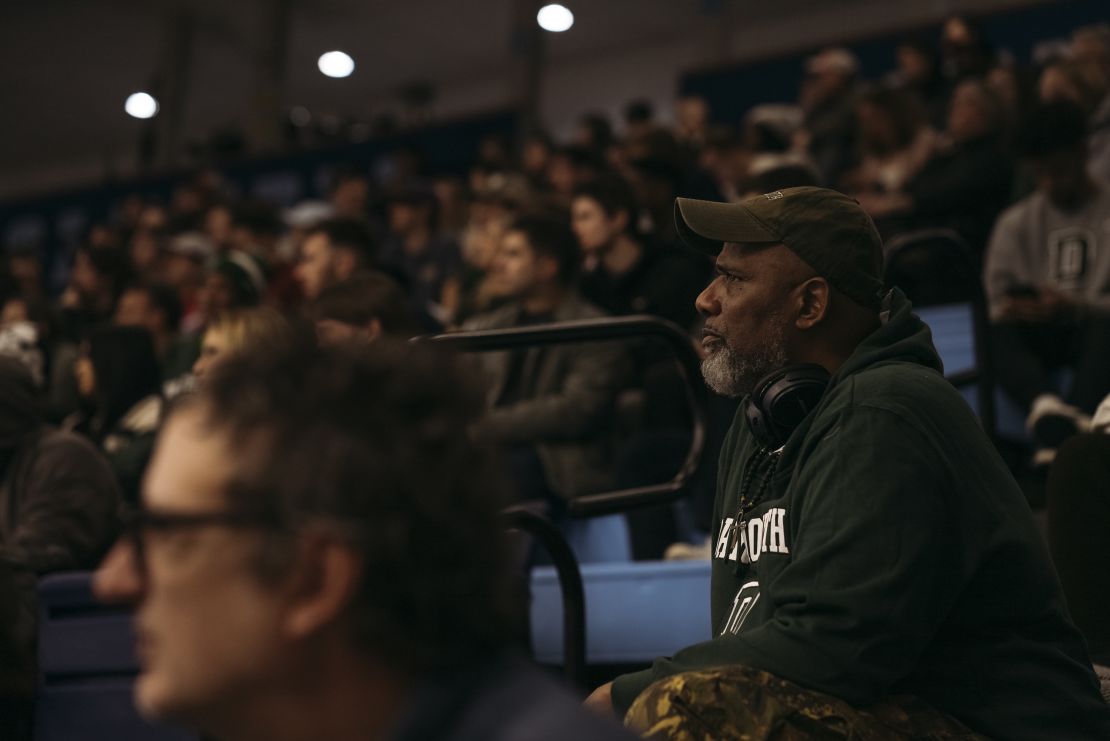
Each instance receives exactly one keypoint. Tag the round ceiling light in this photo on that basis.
(336, 64)
(555, 18)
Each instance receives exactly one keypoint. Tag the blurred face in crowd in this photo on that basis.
(219, 296)
(135, 309)
(350, 197)
(876, 128)
(407, 217)
(746, 331)
(534, 157)
(26, 271)
(913, 64)
(217, 225)
(315, 269)
(693, 115)
(595, 228)
(822, 82)
(84, 374)
(152, 218)
(15, 310)
(208, 628)
(182, 271)
(560, 174)
(143, 252)
(517, 270)
(214, 347)
(969, 114)
(84, 276)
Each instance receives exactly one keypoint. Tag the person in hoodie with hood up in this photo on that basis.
(58, 507)
(876, 570)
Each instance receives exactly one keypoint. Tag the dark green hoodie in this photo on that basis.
(893, 553)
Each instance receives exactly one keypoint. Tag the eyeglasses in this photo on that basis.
(137, 522)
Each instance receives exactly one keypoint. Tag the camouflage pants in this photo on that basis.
(737, 702)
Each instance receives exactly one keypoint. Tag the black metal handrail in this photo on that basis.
(570, 584)
(597, 330)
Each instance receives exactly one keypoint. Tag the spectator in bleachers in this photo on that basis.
(639, 117)
(876, 570)
(1048, 282)
(492, 209)
(24, 268)
(1091, 47)
(569, 167)
(623, 272)
(594, 132)
(345, 574)
(184, 270)
(256, 230)
(144, 251)
(828, 98)
(894, 141)
(95, 281)
(364, 308)
(965, 184)
(965, 50)
(156, 308)
(1086, 84)
(243, 331)
(58, 506)
(120, 385)
(918, 73)
(350, 195)
(428, 261)
(550, 405)
(725, 158)
(692, 123)
(26, 334)
(217, 226)
(332, 252)
(237, 281)
(534, 157)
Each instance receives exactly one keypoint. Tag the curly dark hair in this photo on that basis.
(376, 438)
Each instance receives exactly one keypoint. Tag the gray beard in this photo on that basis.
(731, 374)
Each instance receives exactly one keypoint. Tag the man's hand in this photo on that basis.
(601, 700)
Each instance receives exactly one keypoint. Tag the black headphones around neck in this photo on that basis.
(782, 400)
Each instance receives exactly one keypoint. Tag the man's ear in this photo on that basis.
(813, 302)
(322, 585)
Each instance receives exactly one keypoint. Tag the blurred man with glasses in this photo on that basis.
(318, 556)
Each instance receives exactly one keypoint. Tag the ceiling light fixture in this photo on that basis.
(336, 64)
(555, 18)
(141, 105)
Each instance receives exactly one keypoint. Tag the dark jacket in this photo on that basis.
(58, 503)
(964, 189)
(894, 554)
(566, 411)
(664, 282)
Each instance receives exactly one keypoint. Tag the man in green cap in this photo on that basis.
(876, 570)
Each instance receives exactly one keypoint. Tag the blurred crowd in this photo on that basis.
(955, 133)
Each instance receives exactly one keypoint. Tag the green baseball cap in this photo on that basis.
(827, 229)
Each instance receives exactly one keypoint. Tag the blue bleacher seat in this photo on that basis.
(635, 611)
(87, 667)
